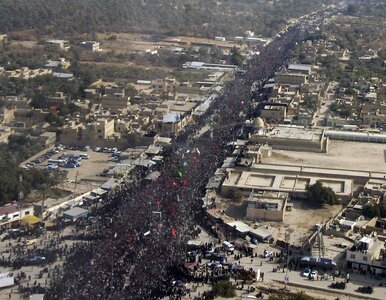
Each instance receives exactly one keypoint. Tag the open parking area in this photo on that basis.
(79, 164)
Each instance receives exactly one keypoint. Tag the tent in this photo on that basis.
(30, 220)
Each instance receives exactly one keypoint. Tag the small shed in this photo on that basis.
(76, 213)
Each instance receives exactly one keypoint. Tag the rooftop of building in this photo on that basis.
(300, 67)
(293, 132)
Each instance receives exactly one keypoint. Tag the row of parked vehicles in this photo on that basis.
(105, 150)
(43, 158)
(310, 274)
(68, 160)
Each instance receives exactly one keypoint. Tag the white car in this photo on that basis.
(314, 275)
(268, 253)
(306, 272)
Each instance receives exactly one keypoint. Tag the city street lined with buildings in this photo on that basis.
(255, 170)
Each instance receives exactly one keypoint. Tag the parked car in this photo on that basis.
(340, 285)
(267, 253)
(70, 165)
(314, 275)
(228, 246)
(209, 253)
(366, 289)
(38, 258)
(306, 272)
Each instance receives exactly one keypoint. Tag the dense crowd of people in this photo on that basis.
(141, 232)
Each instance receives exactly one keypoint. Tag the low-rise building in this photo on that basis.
(57, 100)
(266, 206)
(26, 73)
(288, 179)
(273, 113)
(290, 78)
(16, 101)
(171, 124)
(47, 138)
(97, 133)
(300, 68)
(5, 133)
(294, 138)
(11, 214)
(90, 45)
(165, 86)
(116, 102)
(59, 44)
(368, 256)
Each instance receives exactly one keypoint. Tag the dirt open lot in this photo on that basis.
(302, 219)
(86, 175)
(91, 167)
(139, 42)
(299, 222)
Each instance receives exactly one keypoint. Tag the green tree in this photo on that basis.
(319, 195)
(53, 119)
(382, 207)
(14, 180)
(352, 9)
(224, 288)
(371, 210)
(236, 57)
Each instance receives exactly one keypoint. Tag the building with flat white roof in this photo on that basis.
(293, 183)
(296, 138)
(60, 44)
(198, 65)
(300, 68)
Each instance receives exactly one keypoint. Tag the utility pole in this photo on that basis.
(287, 240)
(320, 240)
(76, 179)
(42, 210)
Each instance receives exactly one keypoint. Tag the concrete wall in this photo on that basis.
(292, 145)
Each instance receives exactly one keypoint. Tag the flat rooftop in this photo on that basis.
(341, 155)
(267, 177)
(300, 67)
(295, 133)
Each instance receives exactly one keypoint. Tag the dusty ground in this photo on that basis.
(302, 219)
(341, 155)
(300, 222)
(91, 167)
(86, 175)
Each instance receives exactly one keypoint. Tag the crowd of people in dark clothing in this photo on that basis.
(139, 236)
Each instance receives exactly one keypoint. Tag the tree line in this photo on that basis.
(190, 17)
(15, 182)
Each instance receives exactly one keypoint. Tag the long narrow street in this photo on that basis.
(150, 223)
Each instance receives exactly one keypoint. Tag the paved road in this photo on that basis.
(319, 289)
